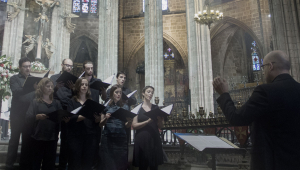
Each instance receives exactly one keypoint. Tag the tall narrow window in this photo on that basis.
(94, 6)
(255, 57)
(85, 7)
(164, 5)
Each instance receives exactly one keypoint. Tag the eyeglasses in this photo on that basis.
(29, 66)
(262, 66)
(67, 65)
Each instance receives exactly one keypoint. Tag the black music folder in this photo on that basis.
(164, 112)
(122, 114)
(65, 77)
(106, 83)
(28, 85)
(89, 108)
(126, 97)
(58, 115)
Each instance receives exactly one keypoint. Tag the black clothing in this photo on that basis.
(81, 151)
(54, 78)
(44, 134)
(126, 91)
(81, 135)
(63, 153)
(147, 145)
(114, 147)
(44, 130)
(131, 101)
(19, 105)
(273, 110)
(44, 151)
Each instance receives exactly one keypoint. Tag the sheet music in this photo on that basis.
(136, 109)
(130, 94)
(109, 80)
(75, 111)
(107, 103)
(202, 142)
(81, 74)
(168, 109)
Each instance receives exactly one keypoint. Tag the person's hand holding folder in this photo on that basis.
(41, 116)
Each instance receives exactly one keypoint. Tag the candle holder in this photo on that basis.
(211, 118)
(156, 100)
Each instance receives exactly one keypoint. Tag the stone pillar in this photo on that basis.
(108, 38)
(60, 36)
(285, 26)
(154, 63)
(199, 57)
(13, 34)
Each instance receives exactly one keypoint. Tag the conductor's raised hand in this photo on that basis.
(220, 85)
(41, 116)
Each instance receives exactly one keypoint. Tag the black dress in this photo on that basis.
(80, 136)
(114, 147)
(147, 145)
(44, 134)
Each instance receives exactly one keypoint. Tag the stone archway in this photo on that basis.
(83, 48)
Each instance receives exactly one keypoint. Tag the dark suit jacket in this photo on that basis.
(274, 111)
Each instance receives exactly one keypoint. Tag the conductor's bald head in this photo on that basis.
(274, 64)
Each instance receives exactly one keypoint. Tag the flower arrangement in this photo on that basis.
(38, 67)
(6, 71)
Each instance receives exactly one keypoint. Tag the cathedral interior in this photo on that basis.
(162, 44)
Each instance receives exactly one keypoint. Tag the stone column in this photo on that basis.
(60, 36)
(285, 26)
(13, 34)
(199, 57)
(108, 38)
(154, 63)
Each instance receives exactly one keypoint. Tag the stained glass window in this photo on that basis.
(76, 6)
(3, 0)
(164, 5)
(168, 54)
(93, 6)
(255, 58)
(85, 6)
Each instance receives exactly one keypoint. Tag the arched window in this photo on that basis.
(164, 5)
(85, 7)
(255, 57)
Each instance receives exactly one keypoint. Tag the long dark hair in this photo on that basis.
(111, 95)
(40, 89)
(77, 89)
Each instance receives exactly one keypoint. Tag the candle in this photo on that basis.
(217, 12)
(221, 14)
(197, 108)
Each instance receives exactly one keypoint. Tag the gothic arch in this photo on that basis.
(217, 29)
(84, 33)
(141, 43)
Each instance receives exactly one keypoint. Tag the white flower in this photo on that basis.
(1, 69)
(2, 82)
(4, 79)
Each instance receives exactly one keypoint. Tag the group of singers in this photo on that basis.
(100, 143)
